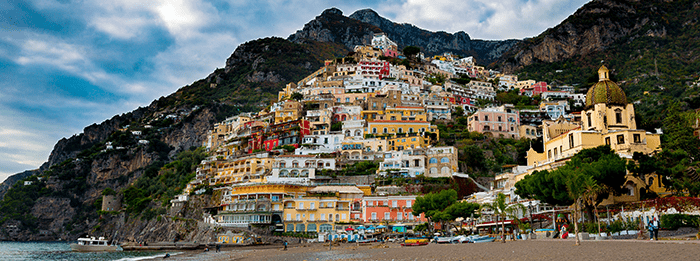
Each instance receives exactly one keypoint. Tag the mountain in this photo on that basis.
(651, 46)
(357, 29)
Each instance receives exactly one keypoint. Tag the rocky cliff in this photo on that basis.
(595, 27)
(358, 28)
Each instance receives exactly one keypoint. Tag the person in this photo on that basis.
(285, 246)
(206, 249)
(218, 248)
(650, 227)
(655, 223)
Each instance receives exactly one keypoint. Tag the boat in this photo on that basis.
(415, 241)
(92, 244)
(443, 240)
(483, 239)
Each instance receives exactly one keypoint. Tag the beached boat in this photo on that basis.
(416, 241)
(483, 239)
(92, 244)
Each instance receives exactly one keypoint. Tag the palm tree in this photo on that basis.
(591, 192)
(503, 210)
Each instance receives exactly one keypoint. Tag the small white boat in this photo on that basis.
(92, 244)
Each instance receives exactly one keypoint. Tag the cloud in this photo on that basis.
(484, 19)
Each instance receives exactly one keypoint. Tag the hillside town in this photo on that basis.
(312, 161)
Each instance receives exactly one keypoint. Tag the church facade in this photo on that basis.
(607, 119)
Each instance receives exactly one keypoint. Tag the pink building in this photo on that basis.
(394, 209)
(502, 121)
(374, 68)
(534, 90)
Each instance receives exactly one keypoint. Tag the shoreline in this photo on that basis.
(538, 249)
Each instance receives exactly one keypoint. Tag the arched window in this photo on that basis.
(374, 130)
(283, 164)
(290, 227)
(618, 116)
(294, 174)
(433, 170)
(400, 130)
(284, 173)
(386, 130)
(311, 228)
(445, 170)
(410, 130)
(445, 160)
(300, 228)
(433, 161)
(295, 164)
(337, 217)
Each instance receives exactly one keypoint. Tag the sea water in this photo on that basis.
(45, 251)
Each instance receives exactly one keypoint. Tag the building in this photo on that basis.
(255, 203)
(607, 119)
(390, 209)
(442, 161)
(321, 209)
(503, 121)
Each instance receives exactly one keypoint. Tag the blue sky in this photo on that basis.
(66, 64)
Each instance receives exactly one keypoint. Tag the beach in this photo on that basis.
(544, 249)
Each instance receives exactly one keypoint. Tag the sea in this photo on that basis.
(45, 251)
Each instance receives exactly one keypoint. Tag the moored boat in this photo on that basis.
(415, 241)
(92, 244)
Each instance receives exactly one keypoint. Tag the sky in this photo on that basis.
(66, 64)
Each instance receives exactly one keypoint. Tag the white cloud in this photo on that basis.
(484, 19)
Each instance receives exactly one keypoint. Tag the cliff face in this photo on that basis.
(357, 29)
(333, 26)
(594, 27)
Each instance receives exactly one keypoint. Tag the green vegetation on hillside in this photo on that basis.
(162, 182)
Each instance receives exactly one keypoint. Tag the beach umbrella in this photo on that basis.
(361, 227)
(381, 226)
(370, 227)
(349, 229)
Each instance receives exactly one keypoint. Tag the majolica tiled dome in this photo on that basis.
(605, 91)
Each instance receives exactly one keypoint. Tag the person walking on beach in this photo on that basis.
(218, 248)
(285, 246)
(655, 227)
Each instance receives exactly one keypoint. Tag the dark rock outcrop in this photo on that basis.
(357, 29)
(594, 27)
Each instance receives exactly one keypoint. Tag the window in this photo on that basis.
(387, 216)
(620, 139)
(445, 160)
(618, 116)
(343, 216)
(555, 152)
(408, 203)
(486, 118)
(637, 138)
(499, 118)
(571, 140)
(289, 217)
(312, 217)
(301, 205)
(313, 205)
(588, 115)
(386, 130)
(607, 141)
(395, 203)
(298, 217)
(374, 215)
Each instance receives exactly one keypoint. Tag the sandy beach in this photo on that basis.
(512, 250)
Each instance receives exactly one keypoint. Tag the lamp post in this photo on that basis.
(529, 208)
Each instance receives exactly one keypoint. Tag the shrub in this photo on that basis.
(674, 221)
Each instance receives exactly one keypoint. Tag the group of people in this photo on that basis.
(653, 226)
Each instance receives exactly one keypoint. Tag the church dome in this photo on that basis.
(605, 91)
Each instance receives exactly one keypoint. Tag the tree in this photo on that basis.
(297, 96)
(433, 204)
(602, 164)
(411, 51)
(503, 211)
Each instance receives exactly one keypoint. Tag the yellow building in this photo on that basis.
(242, 169)
(607, 119)
(230, 238)
(256, 203)
(321, 209)
(408, 141)
(289, 111)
